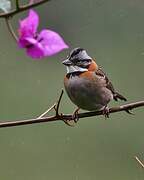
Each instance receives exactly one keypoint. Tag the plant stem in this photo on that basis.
(22, 8)
(69, 117)
(10, 29)
(17, 5)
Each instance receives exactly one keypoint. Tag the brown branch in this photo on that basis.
(22, 8)
(63, 117)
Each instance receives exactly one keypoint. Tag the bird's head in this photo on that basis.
(77, 61)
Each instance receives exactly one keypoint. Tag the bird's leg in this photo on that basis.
(75, 115)
(66, 121)
(74, 118)
(106, 111)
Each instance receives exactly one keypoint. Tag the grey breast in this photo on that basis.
(88, 95)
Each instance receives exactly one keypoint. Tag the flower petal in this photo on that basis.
(47, 43)
(36, 51)
(29, 25)
(52, 42)
(26, 42)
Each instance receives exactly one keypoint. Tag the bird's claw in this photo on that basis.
(106, 112)
(67, 122)
(129, 112)
(74, 119)
(75, 115)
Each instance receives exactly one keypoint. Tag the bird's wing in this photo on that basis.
(109, 85)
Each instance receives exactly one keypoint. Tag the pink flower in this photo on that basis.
(38, 45)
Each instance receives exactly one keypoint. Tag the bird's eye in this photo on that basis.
(78, 60)
(87, 60)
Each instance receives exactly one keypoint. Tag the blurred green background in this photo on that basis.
(113, 32)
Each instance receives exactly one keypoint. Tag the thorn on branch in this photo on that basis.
(58, 104)
(139, 161)
(47, 111)
(60, 116)
(10, 29)
(55, 106)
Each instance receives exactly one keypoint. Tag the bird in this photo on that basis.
(86, 84)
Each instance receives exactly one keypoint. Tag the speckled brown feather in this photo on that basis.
(109, 85)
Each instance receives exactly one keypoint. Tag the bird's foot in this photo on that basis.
(129, 111)
(74, 120)
(106, 112)
(75, 115)
(68, 122)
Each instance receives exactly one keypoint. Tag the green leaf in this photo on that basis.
(5, 5)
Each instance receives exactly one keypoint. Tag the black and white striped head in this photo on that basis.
(77, 60)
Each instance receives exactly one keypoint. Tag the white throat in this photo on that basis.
(72, 69)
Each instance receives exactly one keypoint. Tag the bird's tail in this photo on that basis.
(119, 96)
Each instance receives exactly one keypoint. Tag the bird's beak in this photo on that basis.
(67, 62)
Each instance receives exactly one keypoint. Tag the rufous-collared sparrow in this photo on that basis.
(86, 84)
